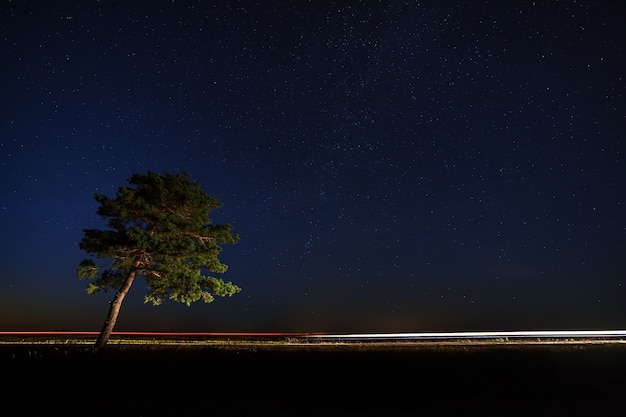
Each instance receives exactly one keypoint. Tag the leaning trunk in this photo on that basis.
(114, 309)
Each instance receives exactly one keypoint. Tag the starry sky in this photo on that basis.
(388, 165)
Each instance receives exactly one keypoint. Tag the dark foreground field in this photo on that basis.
(343, 380)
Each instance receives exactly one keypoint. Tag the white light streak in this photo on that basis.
(477, 335)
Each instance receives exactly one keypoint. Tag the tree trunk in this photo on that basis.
(114, 309)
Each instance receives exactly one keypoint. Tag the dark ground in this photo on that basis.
(248, 380)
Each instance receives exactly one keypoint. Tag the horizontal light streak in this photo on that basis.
(476, 335)
(173, 334)
(355, 336)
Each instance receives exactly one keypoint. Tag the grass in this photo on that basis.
(18, 339)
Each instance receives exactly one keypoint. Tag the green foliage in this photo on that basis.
(159, 228)
(87, 269)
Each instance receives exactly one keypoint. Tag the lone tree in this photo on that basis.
(159, 228)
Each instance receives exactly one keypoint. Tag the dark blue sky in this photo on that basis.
(389, 166)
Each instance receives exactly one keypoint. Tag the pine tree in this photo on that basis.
(158, 228)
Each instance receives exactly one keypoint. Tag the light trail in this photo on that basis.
(417, 336)
(530, 334)
(163, 334)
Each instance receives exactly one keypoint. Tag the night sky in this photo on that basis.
(388, 165)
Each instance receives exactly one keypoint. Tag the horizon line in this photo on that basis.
(356, 336)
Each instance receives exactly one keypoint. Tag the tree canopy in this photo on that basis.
(158, 228)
